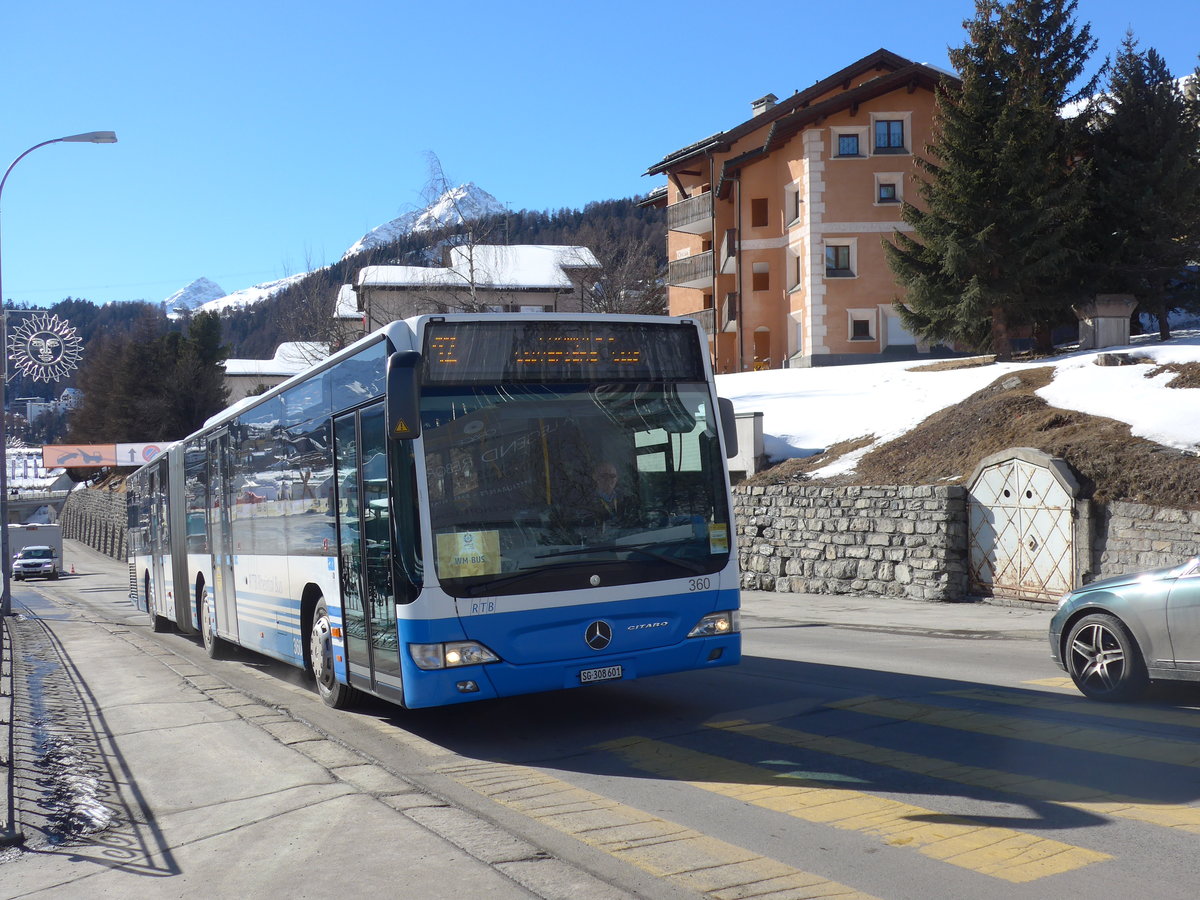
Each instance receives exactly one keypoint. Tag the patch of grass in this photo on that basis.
(800, 469)
(946, 365)
(1187, 375)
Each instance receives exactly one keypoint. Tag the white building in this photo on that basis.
(243, 376)
(510, 278)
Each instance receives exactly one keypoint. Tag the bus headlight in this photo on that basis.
(450, 655)
(717, 624)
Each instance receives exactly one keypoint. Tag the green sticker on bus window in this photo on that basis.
(465, 554)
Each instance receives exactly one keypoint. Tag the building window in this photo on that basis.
(837, 260)
(861, 324)
(793, 203)
(889, 136)
(847, 145)
(758, 212)
(760, 278)
(889, 188)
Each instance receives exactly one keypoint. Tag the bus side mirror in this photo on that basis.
(728, 427)
(404, 395)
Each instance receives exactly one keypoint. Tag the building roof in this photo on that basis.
(518, 267)
(803, 108)
(290, 357)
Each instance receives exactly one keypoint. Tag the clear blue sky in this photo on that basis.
(258, 138)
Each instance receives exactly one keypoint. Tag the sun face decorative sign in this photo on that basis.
(43, 347)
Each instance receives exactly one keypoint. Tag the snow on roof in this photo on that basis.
(347, 303)
(515, 267)
(524, 265)
(290, 357)
(409, 277)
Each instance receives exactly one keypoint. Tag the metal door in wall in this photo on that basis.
(1021, 530)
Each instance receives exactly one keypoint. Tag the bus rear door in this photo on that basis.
(221, 528)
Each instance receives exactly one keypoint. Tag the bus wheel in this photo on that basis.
(212, 643)
(332, 692)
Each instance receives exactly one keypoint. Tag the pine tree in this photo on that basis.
(997, 243)
(152, 384)
(197, 387)
(1146, 182)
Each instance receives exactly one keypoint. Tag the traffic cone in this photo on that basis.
(72, 569)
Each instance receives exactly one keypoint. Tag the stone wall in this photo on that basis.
(96, 517)
(896, 541)
(1134, 537)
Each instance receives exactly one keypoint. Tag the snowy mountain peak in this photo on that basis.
(464, 203)
(194, 295)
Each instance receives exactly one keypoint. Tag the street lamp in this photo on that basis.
(90, 137)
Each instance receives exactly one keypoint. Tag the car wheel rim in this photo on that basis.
(205, 623)
(322, 652)
(1097, 657)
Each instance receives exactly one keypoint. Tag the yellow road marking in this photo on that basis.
(1061, 682)
(959, 840)
(1081, 706)
(1076, 737)
(1168, 815)
(685, 857)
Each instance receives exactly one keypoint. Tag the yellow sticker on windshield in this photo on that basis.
(718, 537)
(465, 554)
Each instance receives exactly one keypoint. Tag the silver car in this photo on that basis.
(1115, 636)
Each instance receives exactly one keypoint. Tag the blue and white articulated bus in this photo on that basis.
(456, 508)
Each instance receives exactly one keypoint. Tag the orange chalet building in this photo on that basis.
(776, 227)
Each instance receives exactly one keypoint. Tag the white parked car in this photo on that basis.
(35, 562)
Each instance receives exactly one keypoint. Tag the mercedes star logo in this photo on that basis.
(598, 635)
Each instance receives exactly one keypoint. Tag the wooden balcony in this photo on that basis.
(728, 316)
(706, 317)
(729, 248)
(694, 271)
(693, 215)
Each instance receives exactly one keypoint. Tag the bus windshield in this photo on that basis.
(548, 487)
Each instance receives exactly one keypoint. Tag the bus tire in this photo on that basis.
(213, 645)
(157, 623)
(333, 693)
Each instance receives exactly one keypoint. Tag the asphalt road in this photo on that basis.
(865, 747)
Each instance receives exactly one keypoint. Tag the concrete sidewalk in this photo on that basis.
(1021, 620)
(269, 806)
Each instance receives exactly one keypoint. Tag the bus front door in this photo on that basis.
(221, 528)
(365, 552)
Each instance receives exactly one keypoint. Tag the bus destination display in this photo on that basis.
(552, 351)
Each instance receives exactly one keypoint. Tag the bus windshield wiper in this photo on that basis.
(688, 564)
